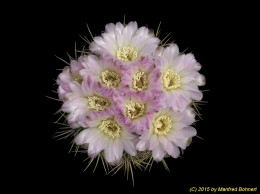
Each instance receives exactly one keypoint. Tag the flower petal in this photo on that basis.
(129, 147)
(154, 142)
(158, 154)
(141, 145)
(117, 149)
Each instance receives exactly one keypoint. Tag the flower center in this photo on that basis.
(134, 109)
(78, 79)
(126, 54)
(110, 78)
(171, 80)
(110, 128)
(139, 81)
(162, 125)
(97, 103)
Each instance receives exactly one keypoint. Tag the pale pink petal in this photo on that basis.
(81, 137)
(129, 147)
(196, 95)
(93, 64)
(117, 149)
(158, 154)
(180, 143)
(92, 151)
(201, 80)
(181, 103)
(83, 60)
(179, 126)
(93, 122)
(110, 28)
(169, 148)
(154, 142)
(109, 155)
(163, 140)
(188, 117)
(141, 145)
(175, 152)
(171, 51)
(189, 131)
(75, 87)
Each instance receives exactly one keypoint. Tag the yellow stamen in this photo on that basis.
(171, 80)
(110, 128)
(110, 78)
(126, 54)
(97, 103)
(134, 109)
(140, 81)
(162, 125)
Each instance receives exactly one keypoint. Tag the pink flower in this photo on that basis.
(107, 73)
(143, 78)
(70, 74)
(168, 131)
(125, 44)
(85, 99)
(179, 78)
(108, 134)
(134, 109)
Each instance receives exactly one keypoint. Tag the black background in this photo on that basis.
(222, 40)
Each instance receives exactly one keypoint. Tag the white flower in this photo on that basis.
(70, 74)
(107, 73)
(124, 43)
(167, 132)
(179, 78)
(84, 99)
(108, 134)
